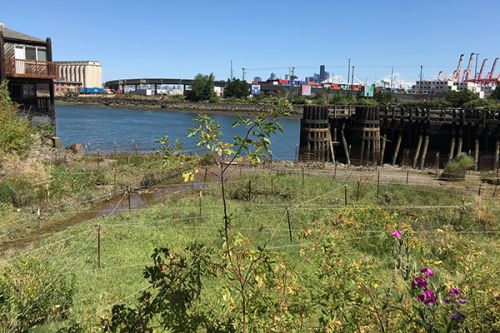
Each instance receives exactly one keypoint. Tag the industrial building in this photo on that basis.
(26, 62)
(87, 73)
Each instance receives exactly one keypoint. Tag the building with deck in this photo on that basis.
(26, 62)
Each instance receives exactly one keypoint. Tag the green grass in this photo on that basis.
(127, 240)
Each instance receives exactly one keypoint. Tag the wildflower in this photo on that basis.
(396, 234)
(463, 301)
(427, 271)
(419, 282)
(457, 316)
(428, 297)
(455, 292)
(447, 300)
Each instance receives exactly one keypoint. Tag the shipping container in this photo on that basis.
(91, 90)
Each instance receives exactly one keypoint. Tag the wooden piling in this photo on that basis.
(424, 151)
(396, 150)
(382, 149)
(476, 154)
(417, 152)
(452, 149)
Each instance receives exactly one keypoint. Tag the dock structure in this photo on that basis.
(406, 136)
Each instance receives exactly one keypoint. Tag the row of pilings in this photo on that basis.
(410, 137)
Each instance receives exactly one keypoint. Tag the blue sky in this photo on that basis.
(182, 38)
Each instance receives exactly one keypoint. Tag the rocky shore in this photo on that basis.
(169, 104)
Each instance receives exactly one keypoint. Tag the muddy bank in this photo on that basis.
(169, 104)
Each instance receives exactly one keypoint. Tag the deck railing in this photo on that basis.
(30, 69)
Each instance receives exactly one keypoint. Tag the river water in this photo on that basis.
(101, 127)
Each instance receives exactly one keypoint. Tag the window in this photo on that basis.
(41, 54)
(30, 53)
(29, 90)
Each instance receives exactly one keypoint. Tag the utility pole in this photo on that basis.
(231, 76)
(348, 70)
(392, 76)
(243, 70)
(352, 75)
(420, 85)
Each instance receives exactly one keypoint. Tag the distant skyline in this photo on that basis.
(181, 39)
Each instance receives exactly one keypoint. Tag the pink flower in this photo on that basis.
(428, 297)
(396, 234)
(419, 282)
(455, 292)
(427, 271)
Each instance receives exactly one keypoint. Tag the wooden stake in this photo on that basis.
(479, 190)
(407, 174)
(200, 204)
(335, 171)
(302, 176)
(378, 182)
(382, 150)
(345, 194)
(289, 224)
(205, 175)
(39, 219)
(437, 164)
(358, 188)
(129, 201)
(249, 189)
(99, 246)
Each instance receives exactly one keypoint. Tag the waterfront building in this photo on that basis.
(441, 87)
(26, 62)
(62, 87)
(87, 73)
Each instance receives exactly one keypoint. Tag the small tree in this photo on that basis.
(459, 98)
(202, 88)
(496, 93)
(236, 88)
(383, 98)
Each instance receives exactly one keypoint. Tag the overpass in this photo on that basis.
(156, 82)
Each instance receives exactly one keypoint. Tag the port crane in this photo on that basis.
(456, 73)
(467, 72)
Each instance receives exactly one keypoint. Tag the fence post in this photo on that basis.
(201, 213)
(98, 159)
(378, 182)
(272, 184)
(461, 210)
(205, 175)
(345, 194)
(289, 224)
(114, 175)
(335, 171)
(99, 246)
(479, 190)
(357, 189)
(302, 176)
(128, 195)
(249, 189)
(437, 164)
(39, 222)
(407, 174)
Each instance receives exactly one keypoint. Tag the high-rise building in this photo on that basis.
(322, 73)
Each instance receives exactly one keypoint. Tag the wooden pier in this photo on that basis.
(411, 137)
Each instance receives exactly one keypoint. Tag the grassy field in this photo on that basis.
(451, 241)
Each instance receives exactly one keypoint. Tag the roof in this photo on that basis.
(11, 34)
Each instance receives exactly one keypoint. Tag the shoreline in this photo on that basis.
(165, 105)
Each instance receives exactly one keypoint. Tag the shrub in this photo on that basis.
(456, 168)
(15, 133)
(31, 294)
(73, 181)
(6, 193)
(23, 192)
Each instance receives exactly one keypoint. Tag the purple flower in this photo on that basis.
(396, 234)
(419, 282)
(428, 297)
(427, 271)
(447, 300)
(455, 292)
(463, 301)
(457, 316)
